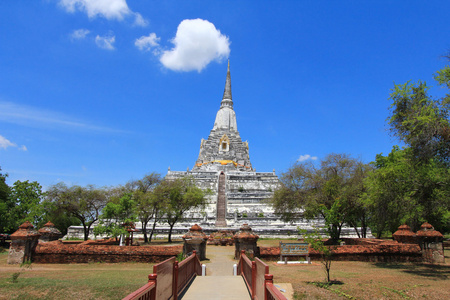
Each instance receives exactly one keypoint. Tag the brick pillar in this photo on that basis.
(49, 233)
(246, 240)
(432, 244)
(195, 240)
(23, 244)
(405, 235)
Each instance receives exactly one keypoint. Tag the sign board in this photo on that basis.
(297, 249)
(294, 249)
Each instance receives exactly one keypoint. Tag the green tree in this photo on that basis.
(6, 205)
(415, 178)
(148, 206)
(332, 191)
(27, 197)
(400, 191)
(115, 215)
(420, 121)
(178, 196)
(316, 242)
(83, 203)
(62, 219)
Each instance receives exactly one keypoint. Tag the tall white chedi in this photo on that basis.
(224, 149)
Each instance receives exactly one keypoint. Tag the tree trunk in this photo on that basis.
(153, 229)
(144, 230)
(363, 228)
(355, 226)
(170, 232)
(328, 267)
(339, 231)
(86, 231)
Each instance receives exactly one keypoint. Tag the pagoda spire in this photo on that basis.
(227, 99)
(226, 117)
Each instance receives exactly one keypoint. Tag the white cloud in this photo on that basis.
(79, 34)
(109, 9)
(196, 43)
(35, 117)
(306, 157)
(146, 43)
(23, 148)
(105, 42)
(139, 20)
(5, 143)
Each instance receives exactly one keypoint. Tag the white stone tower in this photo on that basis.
(223, 166)
(224, 149)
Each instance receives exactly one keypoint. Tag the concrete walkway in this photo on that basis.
(217, 288)
(220, 260)
(218, 283)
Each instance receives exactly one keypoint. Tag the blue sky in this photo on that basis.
(102, 92)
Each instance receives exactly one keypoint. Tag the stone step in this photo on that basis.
(221, 202)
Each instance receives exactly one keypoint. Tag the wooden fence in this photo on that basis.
(147, 292)
(169, 280)
(258, 280)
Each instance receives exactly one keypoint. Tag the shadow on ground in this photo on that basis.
(435, 271)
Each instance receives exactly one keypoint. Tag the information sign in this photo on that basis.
(294, 249)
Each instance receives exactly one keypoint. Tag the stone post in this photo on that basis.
(195, 239)
(23, 244)
(246, 240)
(49, 233)
(432, 244)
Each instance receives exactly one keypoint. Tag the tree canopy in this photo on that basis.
(83, 203)
(421, 121)
(412, 185)
(331, 190)
(178, 196)
(399, 191)
(6, 205)
(148, 206)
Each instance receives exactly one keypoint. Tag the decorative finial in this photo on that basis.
(227, 99)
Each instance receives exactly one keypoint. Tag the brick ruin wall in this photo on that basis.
(61, 253)
(369, 250)
(359, 250)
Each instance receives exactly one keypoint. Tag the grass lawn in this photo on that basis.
(365, 280)
(72, 281)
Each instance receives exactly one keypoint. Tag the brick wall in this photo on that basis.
(389, 252)
(60, 253)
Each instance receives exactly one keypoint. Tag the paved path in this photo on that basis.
(217, 288)
(219, 284)
(221, 260)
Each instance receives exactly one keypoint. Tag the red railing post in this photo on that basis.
(268, 278)
(253, 279)
(194, 262)
(175, 281)
(152, 279)
(241, 260)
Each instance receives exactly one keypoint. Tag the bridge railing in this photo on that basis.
(165, 272)
(169, 280)
(258, 280)
(146, 292)
(246, 269)
(184, 272)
